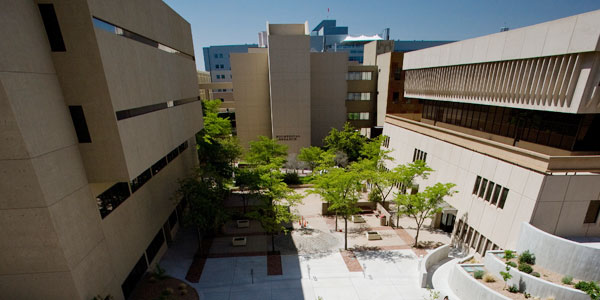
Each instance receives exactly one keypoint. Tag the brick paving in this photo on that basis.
(351, 261)
(274, 264)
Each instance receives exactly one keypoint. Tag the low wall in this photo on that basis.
(467, 287)
(560, 255)
(537, 287)
(432, 258)
(364, 205)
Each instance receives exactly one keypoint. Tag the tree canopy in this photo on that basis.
(348, 140)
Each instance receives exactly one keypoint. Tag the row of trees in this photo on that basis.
(341, 185)
(212, 181)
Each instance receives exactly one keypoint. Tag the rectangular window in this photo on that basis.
(476, 187)
(172, 155)
(395, 97)
(483, 186)
(139, 181)
(159, 165)
(490, 189)
(110, 199)
(358, 116)
(496, 194)
(592, 212)
(57, 44)
(81, 128)
(157, 242)
(134, 276)
(173, 219)
(359, 76)
(503, 197)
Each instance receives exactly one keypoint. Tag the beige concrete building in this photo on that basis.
(512, 119)
(99, 108)
(296, 96)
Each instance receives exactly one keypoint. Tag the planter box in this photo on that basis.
(238, 241)
(373, 235)
(358, 219)
(243, 223)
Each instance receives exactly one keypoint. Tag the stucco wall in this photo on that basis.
(537, 287)
(560, 255)
(466, 287)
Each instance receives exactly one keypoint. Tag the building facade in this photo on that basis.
(216, 62)
(99, 111)
(512, 119)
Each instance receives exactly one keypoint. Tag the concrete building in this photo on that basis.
(216, 62)
(289, 93)
(99, 108)
(512, 119)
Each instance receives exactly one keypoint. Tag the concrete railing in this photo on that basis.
(467, 287)
(537, 287)
(560, 255)
(434, 257)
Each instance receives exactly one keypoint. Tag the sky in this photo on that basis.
(226, 22)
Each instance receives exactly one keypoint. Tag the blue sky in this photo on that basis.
(224, 22)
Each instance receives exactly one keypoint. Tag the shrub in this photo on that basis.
(590, 287)
(160, 273)
(291, 178)
(511, 263)
(478, 274)
(536, 274)
(525, 268)
(509, 254)
(513, 288)
(489, 277)
(527, 258)
(374, 196)
(567, 279)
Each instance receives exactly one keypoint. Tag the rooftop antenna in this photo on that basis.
(504, 28)
(327, 14)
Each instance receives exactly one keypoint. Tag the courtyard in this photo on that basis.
(311, 263)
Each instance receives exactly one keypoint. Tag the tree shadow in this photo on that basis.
(387, 256)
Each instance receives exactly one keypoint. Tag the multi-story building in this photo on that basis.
(216, 62)
(289, 93)
(99, 111)
(513, 119)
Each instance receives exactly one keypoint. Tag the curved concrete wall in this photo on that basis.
(560, 255)
(431, 259)
(467, 287)
(537, 287)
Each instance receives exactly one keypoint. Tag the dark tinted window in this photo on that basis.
(476, 187)
(155, 245)
(81, 128)
(55, 38)
(140, 180)
(110, 199)
(159, 165)
(134, 276)
(592, 213)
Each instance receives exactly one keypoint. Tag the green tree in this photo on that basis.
(405, 175)
(266, 158)
(204, 193)
(423, 205)
(341, 189)
(348, 140)
(217, 148)
(265, 151)
(311, 156)
(248, 182)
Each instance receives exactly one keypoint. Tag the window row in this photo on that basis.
(142, 110)
(219, 66)
(419, 155)
(140, 268)
(359, 76)
(110, 199)
(386, 142)
(101, 24)
(218, 55)
(222, 76)
(222, 90)
(474, 239)
(560, 130)
(358, 116)
(359, 96)
(491, 192)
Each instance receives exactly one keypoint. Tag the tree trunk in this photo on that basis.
(273, 243)
(398, 217)
(346, 233)
(417, 236)
(244, 202)
(336, 229)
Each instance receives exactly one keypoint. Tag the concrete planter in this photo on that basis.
(373, 235)
(537, 287)
(358, 219)
(238, 241)
(467, 287)
(243, 223)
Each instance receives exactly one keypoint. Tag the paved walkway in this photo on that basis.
(441, 277)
